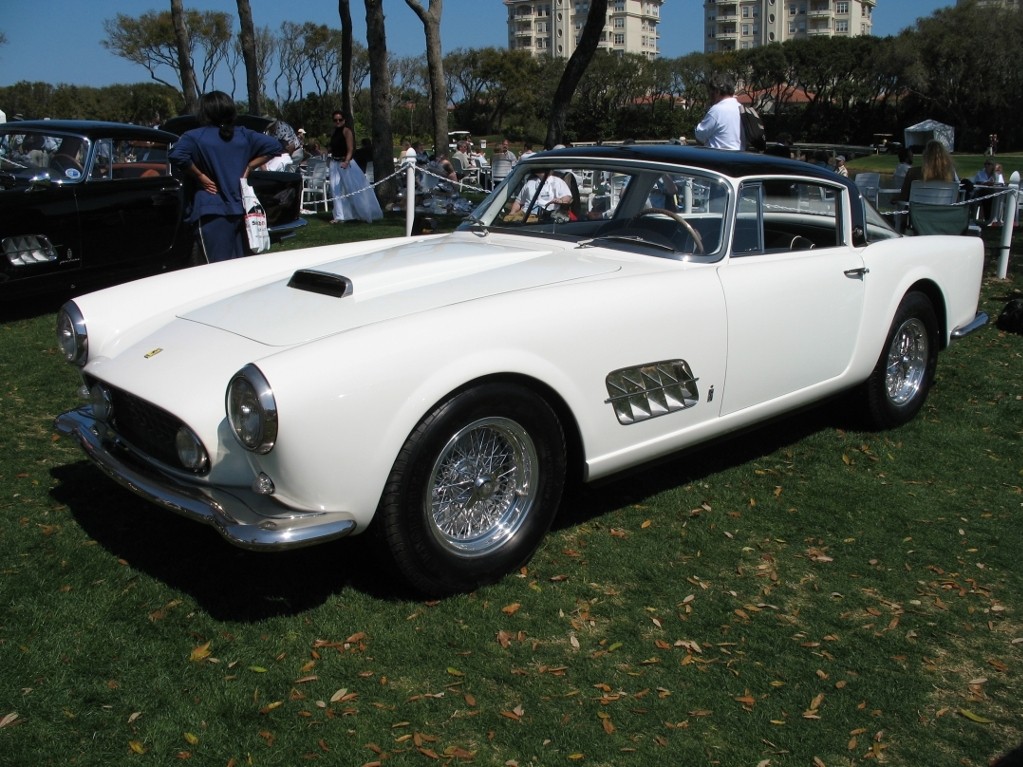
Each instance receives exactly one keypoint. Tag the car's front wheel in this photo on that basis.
(898, 386)
(474, 489)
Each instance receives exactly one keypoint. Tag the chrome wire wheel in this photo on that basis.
(908, 358)
(482, 487)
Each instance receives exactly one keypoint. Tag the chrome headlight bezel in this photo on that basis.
(252, 410)
(72, 336)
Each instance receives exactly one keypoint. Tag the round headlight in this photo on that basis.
(191, 453)
(71, 335)
(252, 410)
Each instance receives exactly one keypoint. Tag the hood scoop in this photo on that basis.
(324, 283)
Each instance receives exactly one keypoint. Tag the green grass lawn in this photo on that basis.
(806, 594)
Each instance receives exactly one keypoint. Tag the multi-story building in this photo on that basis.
(736, 24)
(553, 27)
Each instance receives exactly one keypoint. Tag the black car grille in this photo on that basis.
(148, 429)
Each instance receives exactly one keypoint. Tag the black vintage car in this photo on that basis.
(87, 203)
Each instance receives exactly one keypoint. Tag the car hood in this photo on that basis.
(397, 281)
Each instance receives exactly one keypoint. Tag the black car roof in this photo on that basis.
(92, 129)
(726, 162)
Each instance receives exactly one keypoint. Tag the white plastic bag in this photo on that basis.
(255, 220)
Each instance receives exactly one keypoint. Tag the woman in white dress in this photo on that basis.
(354, 199)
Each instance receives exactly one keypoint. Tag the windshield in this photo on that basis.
(33, 152)
(664, 210)
(878, 227)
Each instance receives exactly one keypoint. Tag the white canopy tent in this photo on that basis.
(922, 132)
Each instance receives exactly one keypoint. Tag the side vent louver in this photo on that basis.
(651, 390)
(321, 282)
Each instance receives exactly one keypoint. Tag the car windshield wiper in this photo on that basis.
(632, 239)
(478, 225)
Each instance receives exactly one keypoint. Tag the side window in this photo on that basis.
(782, 215)
(132, 159)
(748, 234)
(103, 163)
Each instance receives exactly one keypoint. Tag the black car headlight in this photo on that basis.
(71, 334)
(252, 410)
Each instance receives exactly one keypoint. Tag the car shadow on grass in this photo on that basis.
(585, 502)
(235, 584)
(230, 583)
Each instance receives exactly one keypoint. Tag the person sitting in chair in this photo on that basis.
(543, 191)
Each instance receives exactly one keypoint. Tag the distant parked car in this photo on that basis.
(87, 203)
(446, 388)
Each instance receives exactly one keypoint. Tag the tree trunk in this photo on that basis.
(189, 85)
(345, 12)
(435, 66)
(247, 38)
(380, 101)
(574, 71)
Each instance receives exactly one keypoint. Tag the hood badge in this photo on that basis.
(150, 355)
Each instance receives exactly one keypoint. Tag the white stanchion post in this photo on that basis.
(410, 189)
(410, 198)
(1009, 224)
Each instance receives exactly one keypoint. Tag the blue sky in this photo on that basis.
(36, 51)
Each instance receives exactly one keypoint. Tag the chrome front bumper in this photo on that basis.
(243, 517)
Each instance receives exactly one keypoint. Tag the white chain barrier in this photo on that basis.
(409, 170)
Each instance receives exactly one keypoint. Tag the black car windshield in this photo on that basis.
(63, 156)
(650, 207)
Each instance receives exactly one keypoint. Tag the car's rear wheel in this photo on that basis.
(474, 489)
(902, 378)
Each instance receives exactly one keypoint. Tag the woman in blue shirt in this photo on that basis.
(217, 155)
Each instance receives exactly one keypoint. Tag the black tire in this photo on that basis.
(902, 378)
(474, 489)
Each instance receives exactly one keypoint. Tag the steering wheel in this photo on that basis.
(697, 239)
(67, 165)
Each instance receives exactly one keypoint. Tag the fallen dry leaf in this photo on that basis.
(202, 652)
(974, 717)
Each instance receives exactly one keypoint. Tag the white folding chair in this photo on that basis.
(937, 192)
(316, 185)
(869, 184)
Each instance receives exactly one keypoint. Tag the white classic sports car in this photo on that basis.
(603, 307)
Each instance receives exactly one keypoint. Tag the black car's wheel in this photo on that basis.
(474, 489)
(898, 386)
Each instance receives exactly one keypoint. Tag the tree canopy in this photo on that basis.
(957, 65)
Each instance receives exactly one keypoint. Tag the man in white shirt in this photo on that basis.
(553, 194)
(987, 180)
(721, 128)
